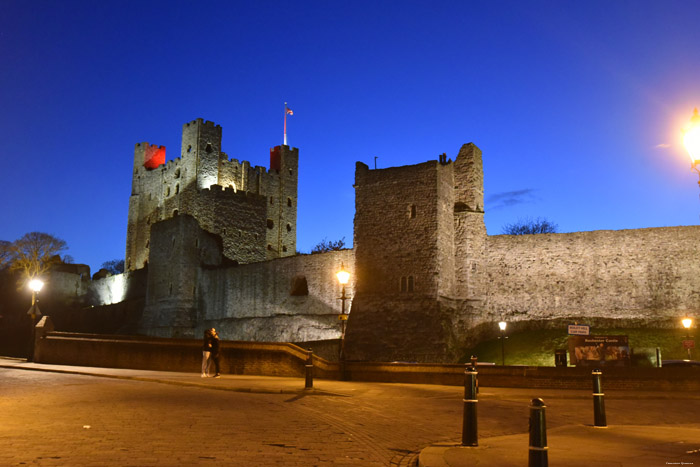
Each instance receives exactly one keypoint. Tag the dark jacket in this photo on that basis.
(206, 345)
(214, 346)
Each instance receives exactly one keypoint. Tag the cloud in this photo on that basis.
(510, 198)
(662, 146)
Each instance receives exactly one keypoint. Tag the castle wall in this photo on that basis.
(266, 302)
(650, 275)
(396, 228)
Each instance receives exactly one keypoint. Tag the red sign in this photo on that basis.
(689, 344)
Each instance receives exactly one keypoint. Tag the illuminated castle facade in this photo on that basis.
(252, 209)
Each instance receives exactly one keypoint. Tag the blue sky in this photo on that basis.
(577, 106)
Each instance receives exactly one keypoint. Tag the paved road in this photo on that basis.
(164, 419)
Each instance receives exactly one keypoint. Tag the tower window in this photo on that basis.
(406, 284)
(209, 149)
(289, 228)
(289, 202)
(189, 148)
(270, 224)
(269, 247)
(271, 200)
(412, 211)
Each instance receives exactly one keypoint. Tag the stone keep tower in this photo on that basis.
(419, 242)
(252, 209)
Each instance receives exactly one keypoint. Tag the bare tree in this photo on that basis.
(327, 245)
(529, 226)
(35, 252)
(5, 254)
(114, 266)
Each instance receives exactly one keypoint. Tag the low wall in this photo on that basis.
(629, 378)
(284, 359)
(167, 354)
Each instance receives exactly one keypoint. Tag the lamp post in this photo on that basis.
(343, 278)
(502, 326)
(691, 141)
(35, 285)
(688, 343)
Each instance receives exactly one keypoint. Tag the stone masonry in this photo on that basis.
(218, 238)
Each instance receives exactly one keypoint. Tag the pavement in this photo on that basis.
(647, 429)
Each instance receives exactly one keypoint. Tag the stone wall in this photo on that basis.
(266, 301)
(649, 275)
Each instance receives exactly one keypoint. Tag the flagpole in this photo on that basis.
(285, 123)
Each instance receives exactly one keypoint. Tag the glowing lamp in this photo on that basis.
(691, 138)
(342, 275)
(36, 285)
(502, 325)
(687, 322)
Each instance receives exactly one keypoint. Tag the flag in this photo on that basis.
(289, 111)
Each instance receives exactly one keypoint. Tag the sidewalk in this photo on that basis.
(578, 446)
(571, 444)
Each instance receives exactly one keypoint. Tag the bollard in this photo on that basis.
(309, 370)
(469, 428)
(598, 400)
(474, 360)
(538, 435)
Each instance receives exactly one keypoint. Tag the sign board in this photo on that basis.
(34, 311)
(688, 344)
(343, 317)
(599, 350)
(579, 329)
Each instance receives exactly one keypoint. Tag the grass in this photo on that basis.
(536, 347)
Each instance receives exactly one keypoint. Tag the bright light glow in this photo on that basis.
(687, 322)
(502, 325)
(343, 275)
(36, 285)
(691, 138)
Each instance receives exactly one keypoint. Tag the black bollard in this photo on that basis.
(538, 435)
(598, 400)
(470, 435)
(309, 370)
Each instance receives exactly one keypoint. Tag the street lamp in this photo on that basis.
(502, 326)
(688, 343)
(343, 278)
(691, 141)
(35, 285)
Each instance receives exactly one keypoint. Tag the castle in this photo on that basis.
(212, 242)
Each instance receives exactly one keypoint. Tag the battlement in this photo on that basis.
(202, 122)
(218, 190)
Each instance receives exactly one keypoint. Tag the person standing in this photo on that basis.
(215, 352)
(206, 352)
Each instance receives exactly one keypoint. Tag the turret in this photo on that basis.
(201, 150)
